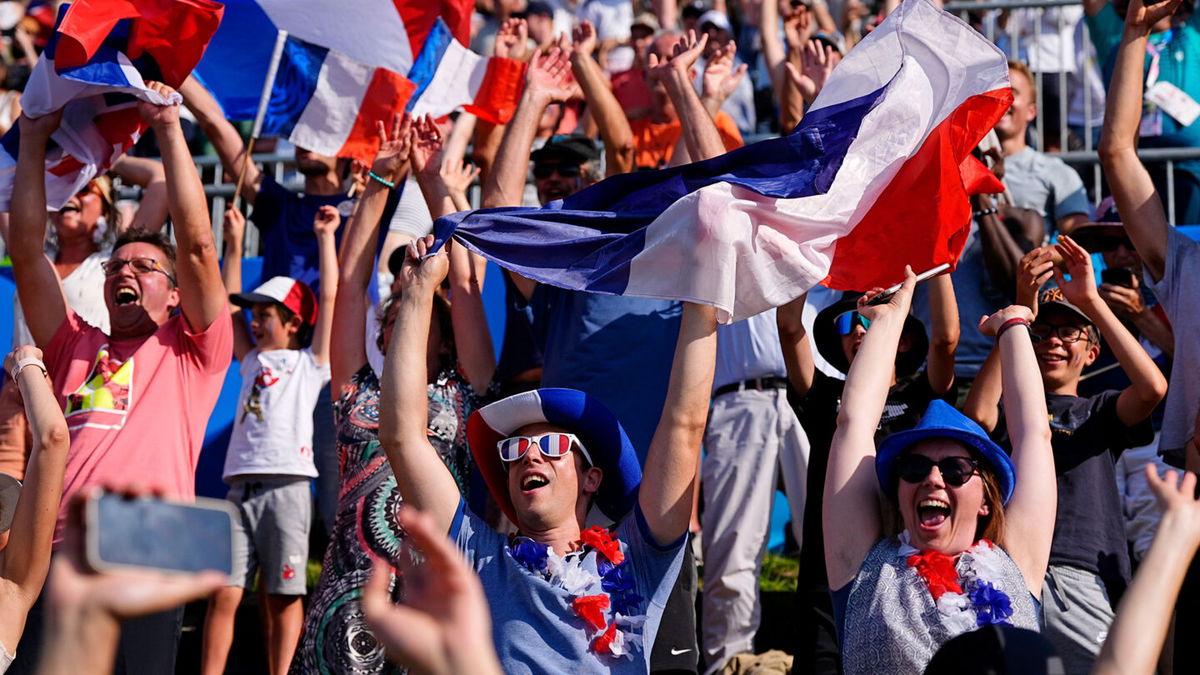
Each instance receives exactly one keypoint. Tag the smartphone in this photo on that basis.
(923, 276)
(1117, 276)
(150, 533)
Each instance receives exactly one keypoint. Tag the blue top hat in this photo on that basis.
(941, 420)
(575, 411)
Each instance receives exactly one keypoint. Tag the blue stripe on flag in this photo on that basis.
(295, 83)
(588, 240)
(103, 69)
(234, 66)
(426, 65)
(52, 44)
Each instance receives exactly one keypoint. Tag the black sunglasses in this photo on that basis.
(543, 171)
(956, 471)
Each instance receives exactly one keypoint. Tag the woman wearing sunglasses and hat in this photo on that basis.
(972, 539)
(564, 597)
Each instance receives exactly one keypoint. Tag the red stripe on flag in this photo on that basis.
(418, 17)
(65, 166)
(175, 33)
(387, 94)
(923, 216)
(496, 100)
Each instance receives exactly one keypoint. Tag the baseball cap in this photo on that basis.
(1054, 297)
(646, 20)
(717, 19)
(295, 295)
(574, 148)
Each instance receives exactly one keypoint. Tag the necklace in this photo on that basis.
(968, 599)
(607, 614)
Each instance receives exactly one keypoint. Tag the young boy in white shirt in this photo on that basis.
(269, 463)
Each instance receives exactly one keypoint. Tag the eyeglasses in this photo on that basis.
(113, 266)
(956, 471)
(555, 444)
(846, 322)
(1068, 333)
(543, 171)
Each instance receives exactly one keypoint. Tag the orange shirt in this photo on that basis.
(654, 143)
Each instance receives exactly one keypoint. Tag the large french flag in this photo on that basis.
(875, 177)
(95, 68)
(449, 76)
(326, 101)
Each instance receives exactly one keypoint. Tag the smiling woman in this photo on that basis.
(971, 546)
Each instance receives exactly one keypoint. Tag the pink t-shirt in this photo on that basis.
(137, 410)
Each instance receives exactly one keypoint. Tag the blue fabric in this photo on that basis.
(618, 349)
(587, 240)
(235, 64)
(285, 221)
(426, 64)
(534, 627)
(295, 82)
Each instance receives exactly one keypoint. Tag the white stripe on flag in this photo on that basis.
(369, 31)
(329, 117)
(455, 83)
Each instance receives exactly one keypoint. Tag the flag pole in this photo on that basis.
(263, 100)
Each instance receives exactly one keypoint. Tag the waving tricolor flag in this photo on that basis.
(876, 176)
(95, 67)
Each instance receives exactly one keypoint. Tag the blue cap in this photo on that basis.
(941, 420)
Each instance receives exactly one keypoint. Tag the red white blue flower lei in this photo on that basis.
(967, 600)
(607, 615)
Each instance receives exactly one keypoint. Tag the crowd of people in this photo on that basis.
(966, 494)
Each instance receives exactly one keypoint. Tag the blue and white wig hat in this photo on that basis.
(571, 410)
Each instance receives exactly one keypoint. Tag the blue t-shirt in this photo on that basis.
(616, 348)
(285, 220)
(533, 624)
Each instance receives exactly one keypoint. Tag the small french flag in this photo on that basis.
(327, 102)
(448, 76)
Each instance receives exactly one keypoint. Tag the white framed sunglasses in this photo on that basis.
(554, 444)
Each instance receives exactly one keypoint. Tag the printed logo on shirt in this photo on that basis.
(253, 403)
(105, 397)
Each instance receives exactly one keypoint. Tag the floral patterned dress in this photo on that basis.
(335, 637)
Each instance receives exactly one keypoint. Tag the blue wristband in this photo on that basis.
(387, 183)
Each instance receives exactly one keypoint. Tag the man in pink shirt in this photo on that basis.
(137, 400)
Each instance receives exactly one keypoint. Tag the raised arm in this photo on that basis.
(147, 174)
(27, 557)
(472, 339)
(423, 479)
(38, 285)
(1133, 190)
(1147, 384)
(944, 341)
(797, 349)
(700, 133)
(356, 259)
(1028, 527)
(224, 137)
(720, 79)
(1136, 636)
(850, 509)
(325, 226)
(545, 83)
(597, 91)
(674, 457)
(201, 293)
(231, 275)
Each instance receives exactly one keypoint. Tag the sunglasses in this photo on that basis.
(846, 322)
(113, 266)
(543, 171)
(956, 471)
(554, 445)
(1067, 333)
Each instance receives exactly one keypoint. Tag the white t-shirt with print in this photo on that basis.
(273, 427)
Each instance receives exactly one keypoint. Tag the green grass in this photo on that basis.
(779, 573)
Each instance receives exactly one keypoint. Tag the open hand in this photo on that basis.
(426, 146)
(1081, 289)
(395, 144)
(1033, 271)
(1176, 497)
(817, 62)
(687, 50)
(548, 77)
(457, 176)
(584, 39)
(444, 625)
(512, 40)
(1144, 16)
(720, 78)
